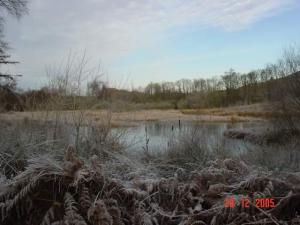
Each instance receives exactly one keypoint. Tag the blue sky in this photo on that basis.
(141, 41)
(192, 52)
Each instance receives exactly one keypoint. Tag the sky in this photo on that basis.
(138, 41)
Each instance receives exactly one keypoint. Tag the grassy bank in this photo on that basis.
(132, 118)
(49, 182)
(45, 180)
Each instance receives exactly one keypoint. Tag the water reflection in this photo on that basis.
(159, 135)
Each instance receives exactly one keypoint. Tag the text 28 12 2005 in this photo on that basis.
(245, 202)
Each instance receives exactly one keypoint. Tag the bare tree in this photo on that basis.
(286, 91)
(97, 88)
(16, 8)
(149, 89)
(68, 79)
(8, 97)
(231, 83)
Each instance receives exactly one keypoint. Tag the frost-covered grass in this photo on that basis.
(23, 139)
(99, 181)
(70, 190)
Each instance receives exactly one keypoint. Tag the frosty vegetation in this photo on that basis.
(63, 168)
(99, 182)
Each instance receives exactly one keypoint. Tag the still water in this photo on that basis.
(158, 136)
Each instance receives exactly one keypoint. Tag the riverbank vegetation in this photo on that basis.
(68, 82)
(71, 191)
(63, 162)
(46, 183)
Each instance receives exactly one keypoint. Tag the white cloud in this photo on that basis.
(112, 29)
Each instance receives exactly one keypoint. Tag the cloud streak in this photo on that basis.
(112, 29)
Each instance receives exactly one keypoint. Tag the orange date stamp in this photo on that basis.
(264, 203)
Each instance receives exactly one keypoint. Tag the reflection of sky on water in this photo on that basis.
(160, 134)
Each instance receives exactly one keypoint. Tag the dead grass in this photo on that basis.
(48, 189)
(71, 191)
(262, 111)
(132, 118)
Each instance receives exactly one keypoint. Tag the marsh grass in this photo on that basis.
(265, 114)
(181, 184)
(52, 133)
(189, 149)
(276, 157)
(195, 148)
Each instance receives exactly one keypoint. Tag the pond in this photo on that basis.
(158, 135)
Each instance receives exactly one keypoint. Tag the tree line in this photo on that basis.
(232, 87)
